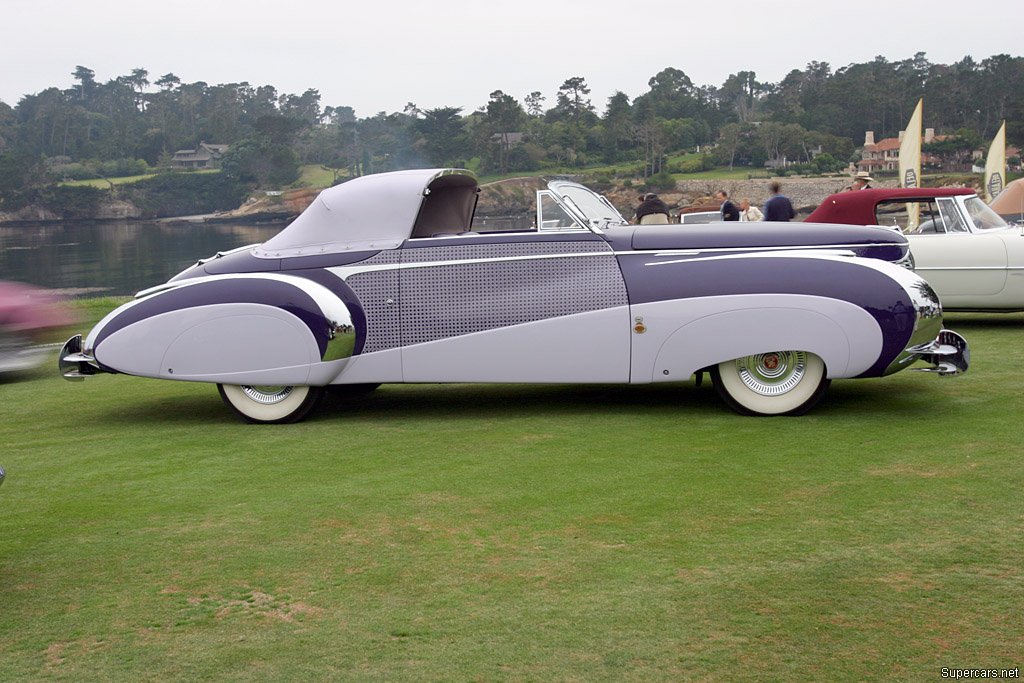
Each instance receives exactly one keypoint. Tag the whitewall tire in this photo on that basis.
(774, 383)
(271, 405)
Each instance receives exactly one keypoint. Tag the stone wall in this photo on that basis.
(804, 193)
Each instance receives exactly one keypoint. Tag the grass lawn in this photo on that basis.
(104, 184)
(315, 176)
(723, 173)
(462, 532)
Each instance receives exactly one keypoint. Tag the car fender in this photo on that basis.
(239, 329)
(699, 333)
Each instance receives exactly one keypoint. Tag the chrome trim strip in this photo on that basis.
(798, 247)
(779, 253)
(345, 272)
(969, 268)
(452, 237)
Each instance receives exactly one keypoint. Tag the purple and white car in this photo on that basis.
(384, 279)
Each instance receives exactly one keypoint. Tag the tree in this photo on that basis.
(279, 129)
(955, 150)
(86, 78)
(137, 81)
(573, 104)
(1014, 123)
(826, 163)
(733, 136)
(740, 92)
(8, 126)
(305, 106)
(443, 136)
(616, 127)
(168, 82)
(21, 177)
(262, 162)
(671, 95)
(648, 131)
(504, 115)
(535, 104)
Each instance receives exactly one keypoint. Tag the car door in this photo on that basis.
(965, 267)
(1013, 240)
(531, 306)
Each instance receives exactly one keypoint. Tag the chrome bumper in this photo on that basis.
(75, 365)
(949, 354)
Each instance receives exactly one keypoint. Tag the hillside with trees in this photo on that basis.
(817, 115)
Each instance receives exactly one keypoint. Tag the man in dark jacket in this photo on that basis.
(729, 210)
(778, 207)
(653, 208)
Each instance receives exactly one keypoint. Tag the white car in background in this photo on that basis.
(971, 256)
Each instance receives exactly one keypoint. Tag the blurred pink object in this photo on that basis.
(25, 312)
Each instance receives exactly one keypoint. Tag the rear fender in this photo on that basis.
(719, 329)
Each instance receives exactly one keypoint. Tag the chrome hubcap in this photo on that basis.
(774, 373)
(267, 395)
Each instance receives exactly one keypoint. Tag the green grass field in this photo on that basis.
(462, 532)
(103, 183)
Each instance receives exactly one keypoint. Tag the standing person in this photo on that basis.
(861, 181)
(749, 213)
(728, 209)
(778, 207)
(652, 211)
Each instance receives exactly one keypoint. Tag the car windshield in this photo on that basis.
(982, 215)
(595, 208)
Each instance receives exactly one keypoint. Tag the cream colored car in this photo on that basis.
(964, 249)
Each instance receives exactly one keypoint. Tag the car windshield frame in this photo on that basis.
(981, 215)
(593, 209)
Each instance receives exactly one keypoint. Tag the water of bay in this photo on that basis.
(115, 258)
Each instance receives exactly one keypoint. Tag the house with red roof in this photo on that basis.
(884, 155)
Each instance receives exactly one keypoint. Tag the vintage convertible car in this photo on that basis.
(964, 249)
(382, 279)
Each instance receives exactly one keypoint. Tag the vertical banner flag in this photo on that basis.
(995, 165)
(910, 161)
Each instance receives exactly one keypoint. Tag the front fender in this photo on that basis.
(238, 329)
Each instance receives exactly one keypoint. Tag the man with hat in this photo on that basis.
(861, 180)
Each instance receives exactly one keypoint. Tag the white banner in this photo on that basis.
(995, 165)
(910, 161)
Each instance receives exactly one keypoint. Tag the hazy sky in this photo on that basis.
(377, 56)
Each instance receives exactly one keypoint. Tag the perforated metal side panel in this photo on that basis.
(440, 301)
(374, 290)
(532, 281)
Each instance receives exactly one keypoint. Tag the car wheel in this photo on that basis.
(775, 383)
(271, 404)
